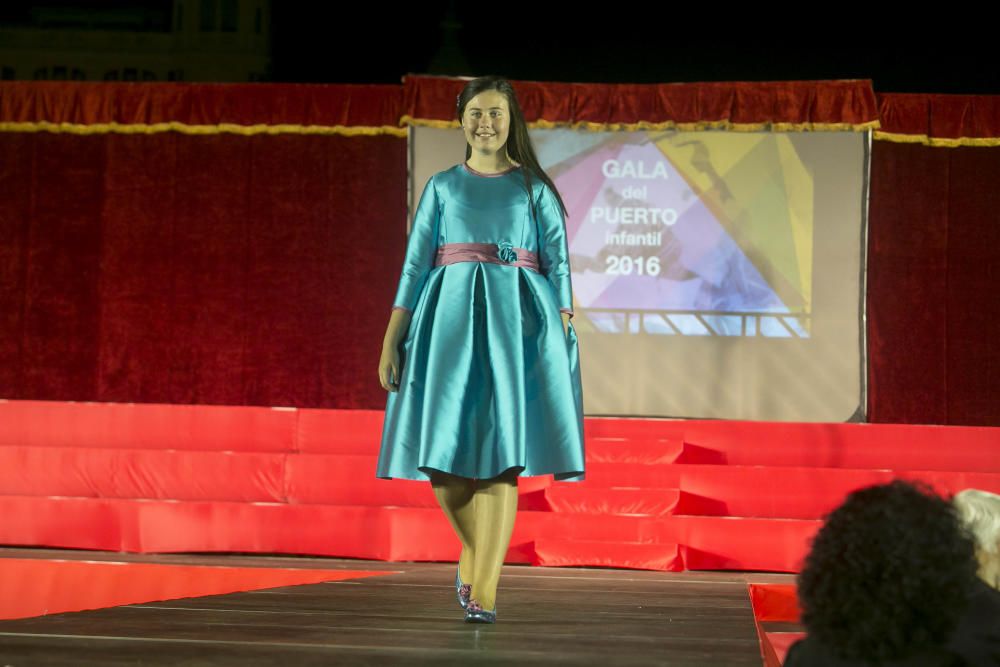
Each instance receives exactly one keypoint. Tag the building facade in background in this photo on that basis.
(122, 40)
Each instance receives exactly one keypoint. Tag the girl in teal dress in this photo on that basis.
(480, 358)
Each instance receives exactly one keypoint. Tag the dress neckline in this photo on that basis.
(484, 174)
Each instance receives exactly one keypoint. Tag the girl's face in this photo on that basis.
(486, 122)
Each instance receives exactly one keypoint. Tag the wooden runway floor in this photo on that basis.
(571, 616)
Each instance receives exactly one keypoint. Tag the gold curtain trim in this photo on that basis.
(878, 135)
(361, 130)
(939, 142)
(184, 128)
(666, 125)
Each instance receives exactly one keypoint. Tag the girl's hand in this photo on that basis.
(388, 368)
(565, 321)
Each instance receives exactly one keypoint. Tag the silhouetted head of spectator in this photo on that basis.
(980, 513)
(888, 575)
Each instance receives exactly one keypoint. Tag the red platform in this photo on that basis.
(775, 603)
(40, 586)
(659, 494)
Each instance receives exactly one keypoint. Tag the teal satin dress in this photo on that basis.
(489, 381)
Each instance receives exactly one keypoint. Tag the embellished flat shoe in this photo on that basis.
(463, 590)
(474, 613)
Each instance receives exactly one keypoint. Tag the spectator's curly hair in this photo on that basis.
(889, 573)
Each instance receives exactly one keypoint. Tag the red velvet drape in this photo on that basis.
(248, 255)
(787, 104)
(178, 269)
(933, 283)
(939, 120)
(208, 105)
(934, 249)
(219, 268)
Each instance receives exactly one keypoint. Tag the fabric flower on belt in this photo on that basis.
(506, 252)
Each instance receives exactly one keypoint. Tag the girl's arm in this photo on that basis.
(554, 249)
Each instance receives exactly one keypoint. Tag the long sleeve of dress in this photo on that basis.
(553, 248)
(420, 249)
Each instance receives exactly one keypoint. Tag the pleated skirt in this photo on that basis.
(489, 380)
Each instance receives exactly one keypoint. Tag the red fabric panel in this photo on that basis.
(166, 526)
(214, 478)
(725, 543)
(939, 116)
(973, 285)
(774, 602)
(907, 284)
(138, 473)
(933, 311)
(780, 642)
(767, 651)
(348, 479)
(648, 451)
(200, 103)
(222, 269)
(385, 533)
(592, 499)
(744, 491)
(214, 269)
(567, 553)
(848, 101)
(338, 431)
(147, 426)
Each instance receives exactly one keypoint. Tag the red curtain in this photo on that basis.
(785, 104)
(247, 256)
(199, 104)
(216, 268)
(939, 120)
(934, 249)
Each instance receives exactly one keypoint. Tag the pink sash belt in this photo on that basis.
(497, 253)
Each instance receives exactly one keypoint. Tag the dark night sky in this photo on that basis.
(378, 42)
(382, 43)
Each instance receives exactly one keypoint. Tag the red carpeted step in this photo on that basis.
(166, 478)
(551, 552)
(744, 498)
(384, 533)
(774, 602)
(143, 473)
(582, 499)
(147, 426)
(632, 488)
(760, 491)
(339, 431)
(646, 451)
(349, 479)
(776, 645)
(250, 428)
(821, 445)
(345, 479)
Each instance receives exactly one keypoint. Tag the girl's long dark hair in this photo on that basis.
(519, 146)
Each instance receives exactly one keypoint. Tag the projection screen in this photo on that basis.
(716, 274)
